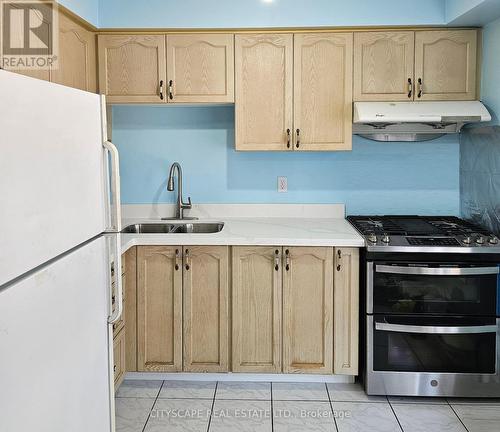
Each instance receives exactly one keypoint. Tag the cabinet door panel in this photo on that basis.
(308, 310)
(256, 309)
(323, 91)
(201, 67)
(119, 358)
(77, 56)
(206, 296)
(263, 81)
(346, 309)
(383, 64)
(131, 68)
(130, 300)
(159, 309)
(445, 61)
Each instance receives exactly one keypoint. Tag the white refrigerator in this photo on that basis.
(59, 233)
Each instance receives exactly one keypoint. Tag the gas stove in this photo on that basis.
(424, 234)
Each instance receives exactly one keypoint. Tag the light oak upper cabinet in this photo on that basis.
(206, 304)
(346, 307)
(323, 91)
(308, 310)
(256, 343)
(445, 65)
(159, 308)
(383, 66)
(132, 68)
(200, 68)
(77, 56)
(264, 94)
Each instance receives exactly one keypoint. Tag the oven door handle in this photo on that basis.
(436, 271)
(403, 328)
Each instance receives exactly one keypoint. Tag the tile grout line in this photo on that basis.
(154, 403)
(272, 409)
(213, 405)
(331, 407)
(454, 412)
(395, 415)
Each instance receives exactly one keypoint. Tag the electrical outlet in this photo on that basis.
(282, 184)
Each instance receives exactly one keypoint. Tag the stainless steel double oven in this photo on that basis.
(432, 325)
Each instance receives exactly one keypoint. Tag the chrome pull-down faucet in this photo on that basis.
(181, 205)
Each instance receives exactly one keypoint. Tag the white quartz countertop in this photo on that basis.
(255, 231)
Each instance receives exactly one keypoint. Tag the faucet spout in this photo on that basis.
(181, 205)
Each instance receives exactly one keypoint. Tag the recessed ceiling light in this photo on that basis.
(266, 1)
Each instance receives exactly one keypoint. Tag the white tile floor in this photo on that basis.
(171, 406)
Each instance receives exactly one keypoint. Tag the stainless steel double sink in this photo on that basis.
(174, 228)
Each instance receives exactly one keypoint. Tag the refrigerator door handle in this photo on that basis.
(117, 312)
(116, 218)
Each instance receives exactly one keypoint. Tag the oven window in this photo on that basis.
(400, 293)
(401, 351)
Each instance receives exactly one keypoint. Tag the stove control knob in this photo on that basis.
(372, 238)
(386, 238)
(467, 240)
(493, 240)
(480, 240)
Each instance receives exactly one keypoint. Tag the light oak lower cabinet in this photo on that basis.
(346, 306)
(130, 309)
(119, 357)
(257, 286)
(159, 308)
(294, 309)
(119, 331)
(308, 310)
(206, 308)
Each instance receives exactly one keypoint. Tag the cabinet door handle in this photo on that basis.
(161, 89)
(170, 89)
(287, 260)
(276, 259)
(186, 256)
(420, 88)
(339, 255)
(288, 138)
(177, 259)
(410, 88)
(297, 144)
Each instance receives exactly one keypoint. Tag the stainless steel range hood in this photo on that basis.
(415, 121)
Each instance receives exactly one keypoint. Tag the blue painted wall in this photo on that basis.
(471, 12)
(373, 178)
(455, 8)
(258, 13)
(87, 9)
(490, 88)
(480, 147)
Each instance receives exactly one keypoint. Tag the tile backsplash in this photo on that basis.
(480, 176)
